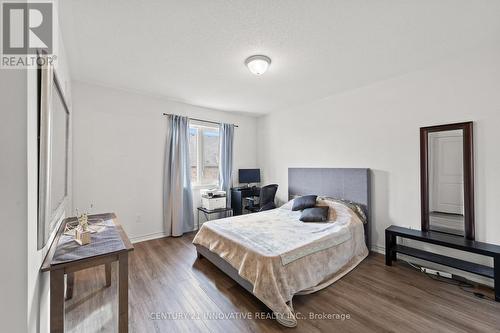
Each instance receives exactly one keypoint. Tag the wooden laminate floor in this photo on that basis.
(167, 282)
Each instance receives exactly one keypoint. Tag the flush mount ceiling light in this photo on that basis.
(258, 64)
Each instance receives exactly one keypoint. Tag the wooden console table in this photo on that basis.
(446, 240)
(65, 256)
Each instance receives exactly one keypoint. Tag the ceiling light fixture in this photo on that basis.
(258, 64)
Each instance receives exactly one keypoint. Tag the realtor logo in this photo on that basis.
(27, 28)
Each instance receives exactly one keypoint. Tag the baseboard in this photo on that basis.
(147, 237)
(152, 236)
(378, 249)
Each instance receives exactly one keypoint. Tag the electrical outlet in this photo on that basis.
(138, 219)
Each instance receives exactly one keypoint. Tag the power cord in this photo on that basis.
(461, 284)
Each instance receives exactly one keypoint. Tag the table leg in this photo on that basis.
(496, 275)
(123, 293)
(390, 242)
(107, 269)
(57, 301)
(70, 282)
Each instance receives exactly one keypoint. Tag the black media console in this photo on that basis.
(447, 240)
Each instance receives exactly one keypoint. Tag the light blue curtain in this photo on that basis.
(177, 194)
(226, 133)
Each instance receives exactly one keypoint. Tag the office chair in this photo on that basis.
(267, 195)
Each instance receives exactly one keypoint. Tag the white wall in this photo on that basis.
(13, 198)
(38, 283)
(24, 290)
(119, 143)
(377, 127)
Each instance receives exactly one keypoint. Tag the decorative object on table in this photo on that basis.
(69, 228)
(94, 227)
(93, 223)
(82, 232)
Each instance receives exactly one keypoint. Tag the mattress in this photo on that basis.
(281, 256)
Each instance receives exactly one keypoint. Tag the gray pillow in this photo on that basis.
(315, 214)
(307, 201)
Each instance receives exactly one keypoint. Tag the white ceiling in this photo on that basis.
(193, 50)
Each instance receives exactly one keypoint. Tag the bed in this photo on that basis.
(275, 256)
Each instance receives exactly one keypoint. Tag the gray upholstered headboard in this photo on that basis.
(340, 183)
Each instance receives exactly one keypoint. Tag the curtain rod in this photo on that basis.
(206, 121)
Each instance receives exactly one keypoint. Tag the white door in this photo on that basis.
(447, 172)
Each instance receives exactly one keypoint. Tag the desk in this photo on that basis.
(238, 194)
(64, 257)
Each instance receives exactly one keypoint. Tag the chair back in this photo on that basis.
(267, 194)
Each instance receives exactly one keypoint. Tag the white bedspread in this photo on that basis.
(282, 256)
(280, 233)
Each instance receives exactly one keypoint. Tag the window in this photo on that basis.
(204, 153)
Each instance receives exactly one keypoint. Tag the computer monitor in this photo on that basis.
(246, 176)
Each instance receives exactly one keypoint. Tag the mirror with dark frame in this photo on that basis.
(53, 147)
(447, 179)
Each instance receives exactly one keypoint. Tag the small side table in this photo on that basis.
(227, 213)
(66, 258)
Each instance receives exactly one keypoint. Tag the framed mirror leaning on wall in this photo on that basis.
(447, 179)
(53, 145)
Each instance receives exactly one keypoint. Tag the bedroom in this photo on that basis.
(163, 102)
